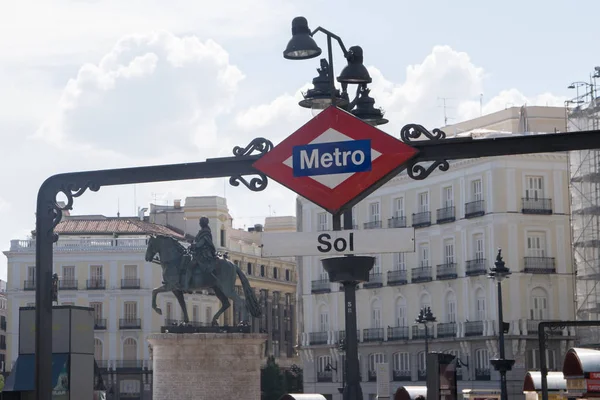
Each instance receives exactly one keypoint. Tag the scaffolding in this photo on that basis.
(583, 113)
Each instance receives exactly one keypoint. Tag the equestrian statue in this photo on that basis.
(190, 270)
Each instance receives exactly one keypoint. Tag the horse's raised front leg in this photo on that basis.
(155, 292)
(181, 299)
(224, 305)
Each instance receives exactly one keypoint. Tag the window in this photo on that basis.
(323, 319)
(447, 197)
(399, 262)
(287, 274)
(262, 271)
(208, 314)
(399, 207)
(424, 255)
(322, 221)
(130, 310)
(275, 273)
(482, 359)
(450, 307)
(539, 304)
(480, 306)
(31, 275)
(169, 311)
(534, 362)
(421, 359)
(222, 237)
(374, 359)
(130, 349)
(374, 215)
(401, 361)
(376, 314)
(249, 268)
(377, 266)
(98, 349)
(536, 244)
(449, 251)
(68, 274)
(195, 313)
(476, 190)
(534, 188)
(97, 306)
(423, 202)
(425, 301)
(96, 275)
(323, 363)
(400, 312)
(478, 247)
(131, 272)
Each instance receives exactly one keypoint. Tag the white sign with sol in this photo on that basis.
(383, 381)
(332, 243)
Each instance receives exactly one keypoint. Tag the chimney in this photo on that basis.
(141, 213)
(177, 203)
(258, 227)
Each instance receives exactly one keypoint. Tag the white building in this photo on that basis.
(461, 217)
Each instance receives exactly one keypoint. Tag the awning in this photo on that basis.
(533, 381)
(302, 396)
(410, 392)
(21, 378)
(580, 362)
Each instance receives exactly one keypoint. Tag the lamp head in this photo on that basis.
(355, 72)
(499, 271)
(301, 46)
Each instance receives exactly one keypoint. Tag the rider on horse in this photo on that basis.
(204, 253)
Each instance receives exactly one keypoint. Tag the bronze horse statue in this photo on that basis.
(222, 282)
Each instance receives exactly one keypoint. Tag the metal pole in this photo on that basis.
(352, 390)
(426, 343)
(331, 74)
(544, 368)
(503, 389)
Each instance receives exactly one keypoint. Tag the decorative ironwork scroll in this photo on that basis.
(261, 146)
(414, 131)
(70, 190)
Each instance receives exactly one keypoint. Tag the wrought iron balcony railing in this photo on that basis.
(95, 284)
(397, 333)
(372, 225)
(536, 206)
(476, 267)
(401, 375)
(397, 222)
(474, 328)
(446, 329)
(372, 375)
(373, 335)
(445, 215)
(446, 271)
(418, 332)
(421, 220)
(129, 364)
(375, 280)
(482, 374)
(130, 283)
(421, 274)
(100, 324)
(540, 265)
(29, 285)
(422, 375)
(324, 376)
(318, 338)
(320, 286)
(130, 323)
(68, 284)
(395, 278)
(475, 209)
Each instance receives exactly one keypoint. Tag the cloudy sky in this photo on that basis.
(98, 84)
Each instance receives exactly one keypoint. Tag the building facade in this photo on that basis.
(101, 264)
(460, 218)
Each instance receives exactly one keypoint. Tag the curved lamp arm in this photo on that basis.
(333, 36)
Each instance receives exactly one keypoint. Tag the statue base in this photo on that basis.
(204, 329)
(206, 365)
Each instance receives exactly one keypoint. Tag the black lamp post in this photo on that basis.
(425, 317)
(500, 272)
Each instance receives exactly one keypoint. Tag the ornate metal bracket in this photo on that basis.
(414, 169)
(261, 146)
(70, 190)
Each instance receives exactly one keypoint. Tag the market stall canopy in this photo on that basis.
(302, 396)
(533, 381)
(410, 392)
(580, 362)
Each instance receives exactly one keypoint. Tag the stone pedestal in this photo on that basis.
(211, 366)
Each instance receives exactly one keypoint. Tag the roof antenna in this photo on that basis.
(118, 207)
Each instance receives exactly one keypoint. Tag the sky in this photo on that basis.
(101, 84)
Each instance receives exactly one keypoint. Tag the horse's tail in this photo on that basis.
(251, 300)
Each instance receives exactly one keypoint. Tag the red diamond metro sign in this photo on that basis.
(335, 158)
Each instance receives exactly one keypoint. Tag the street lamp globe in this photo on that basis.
(499, 272)
(301, 46)
(355, 72)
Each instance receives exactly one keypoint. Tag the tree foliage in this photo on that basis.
(275, 382)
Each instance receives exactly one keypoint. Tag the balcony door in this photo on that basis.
(534, 189)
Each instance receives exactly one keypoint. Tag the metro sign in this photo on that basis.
(335, 158)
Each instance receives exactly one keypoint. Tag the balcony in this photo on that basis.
(482, 374)
(422, 375)
(533, 328)
(130, 283)
(475, 209)
(372, 225)
(341, 335)
(373, 335)
(68, 284)
(102, 364)
(29, 285)
(474, 328)
(445, 215)
(446, 271)
(539, 265)
(397, 333)
(372, 375)
(418, 332)
(446, 330)
(375, 280)
(130, 323)
(397, 222)
(324, 376)
(96, 284)
(395, 278)
(536, 206)
(2, 345)
(320, 286)
(476, 267)
(421, 274)
(129, 364)
(100, 324)
(401, 375)
(317, 338)
(421, 220)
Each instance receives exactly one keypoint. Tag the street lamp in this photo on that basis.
(324, 93)
(500, 272)
(425, 317)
